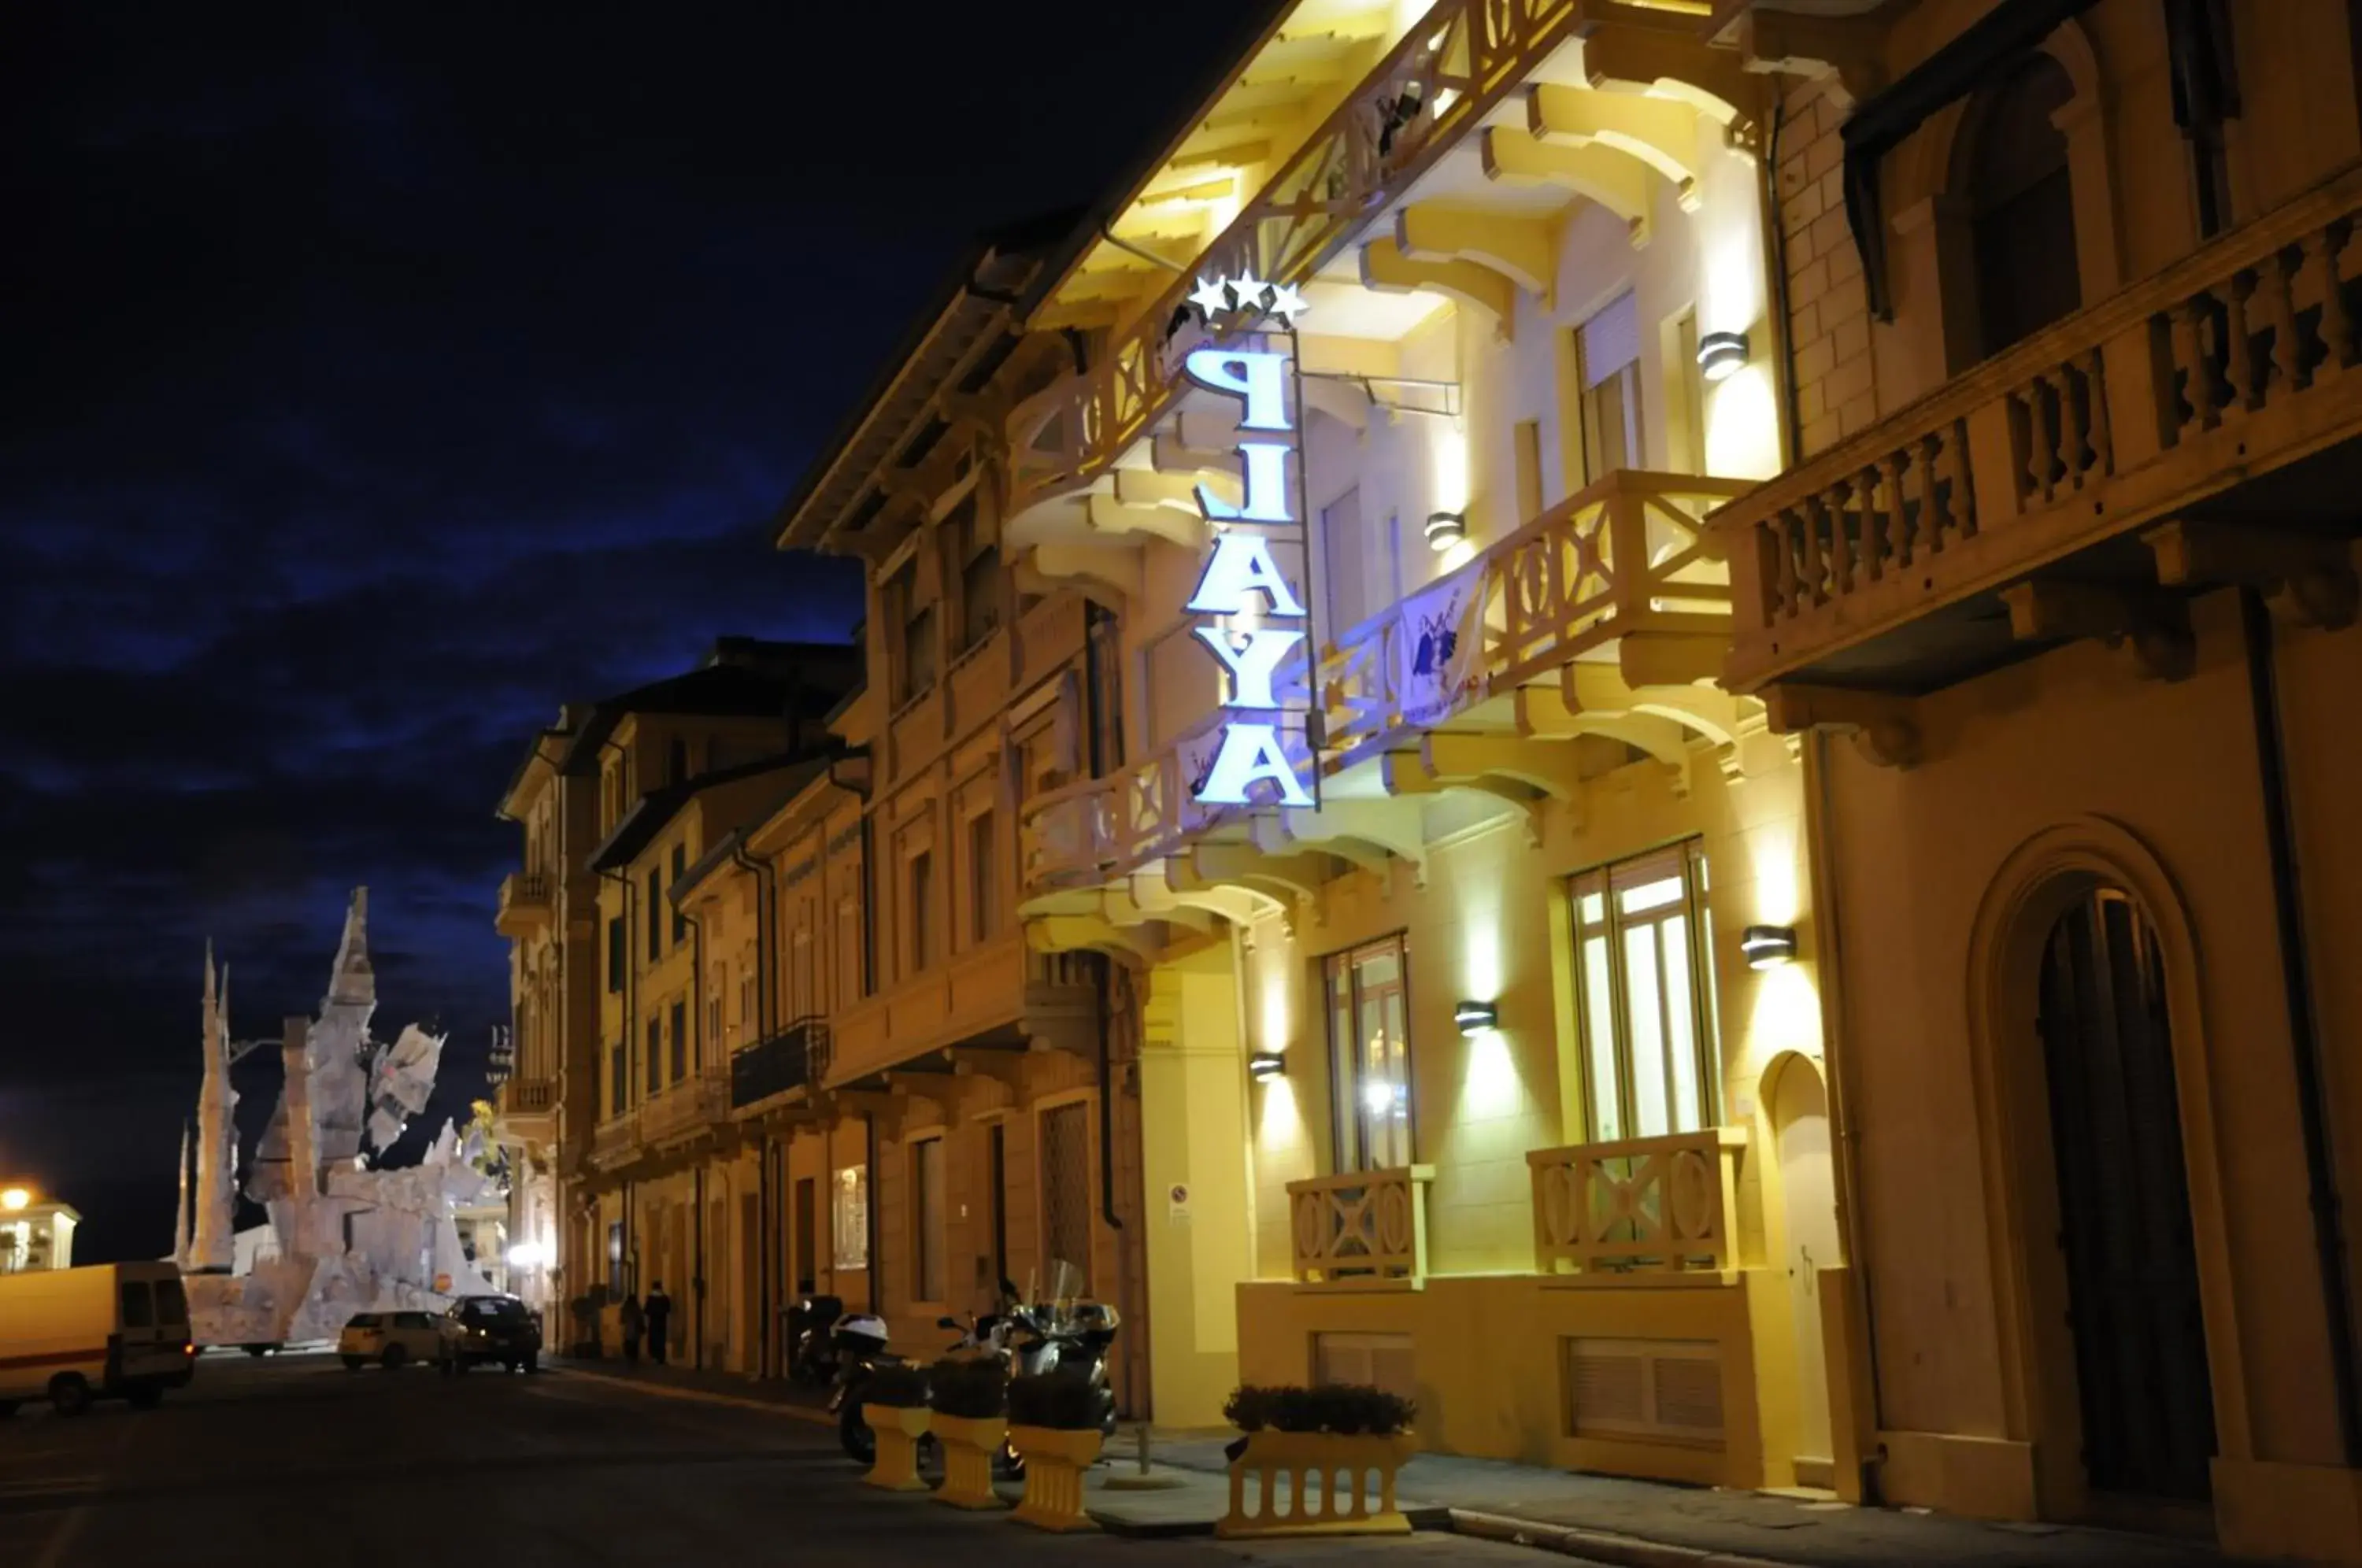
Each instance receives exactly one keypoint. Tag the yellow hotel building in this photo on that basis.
(1550, 720)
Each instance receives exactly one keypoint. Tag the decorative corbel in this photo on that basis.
(2153, 628)
(2309, 577)
(1885, 728)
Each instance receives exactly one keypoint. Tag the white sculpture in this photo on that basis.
(342, 1236)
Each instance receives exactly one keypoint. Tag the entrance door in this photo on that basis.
(2124, 1201)
(807, 1235)
(1800, 1121)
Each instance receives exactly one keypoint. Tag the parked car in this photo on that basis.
(480, 1328)
(390, 1339)
(107, 1332)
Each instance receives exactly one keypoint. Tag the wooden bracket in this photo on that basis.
(2153, 628)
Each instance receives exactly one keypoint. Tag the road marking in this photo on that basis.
(705, 1396)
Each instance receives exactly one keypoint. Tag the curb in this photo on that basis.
(1597, 1546)
(701, 1395)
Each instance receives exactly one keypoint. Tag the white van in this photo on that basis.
(112, 1331)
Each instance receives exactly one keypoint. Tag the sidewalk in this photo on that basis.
(1598, 1519)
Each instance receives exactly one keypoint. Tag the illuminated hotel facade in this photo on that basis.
(1552, 721)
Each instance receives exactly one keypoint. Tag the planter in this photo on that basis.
(1336, 1485)
(898, 1429)
(969, 1445)
(1055, 1462)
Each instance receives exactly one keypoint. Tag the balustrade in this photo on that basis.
(2104, 421)
(1363, 1230)
(1637, 1203)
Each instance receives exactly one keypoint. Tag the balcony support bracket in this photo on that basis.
(2309, 577)
(1885, 728)
(1385, 269)
(2152, 627)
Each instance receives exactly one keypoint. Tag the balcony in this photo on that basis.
(1628, 562)
(794, 1058)
(1454, 66)
(684, 1110)
(1362, 1230)
(615, 1140)
(529, 1107)
(1995, 517)
(1638, 1205)
(524, 904)
(1000, 986)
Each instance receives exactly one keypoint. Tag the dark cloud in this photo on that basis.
(377, 378)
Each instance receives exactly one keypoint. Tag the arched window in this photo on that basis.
(2021, 206)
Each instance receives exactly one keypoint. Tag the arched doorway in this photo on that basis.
(1800, 1129)
(2130, 1266)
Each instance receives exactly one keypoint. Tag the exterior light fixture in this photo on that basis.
(1445, 529)
(1766, 945)
(1266, 1064)
(15, 1198)
(1720, 354)
(1474, 1016)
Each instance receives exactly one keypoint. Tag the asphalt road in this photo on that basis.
(293, 1460)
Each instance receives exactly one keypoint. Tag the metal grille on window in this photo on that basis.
(1066, 1198)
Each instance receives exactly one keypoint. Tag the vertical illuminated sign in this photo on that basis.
(1243, 581)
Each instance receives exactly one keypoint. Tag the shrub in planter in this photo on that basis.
(972, 1389)
(896, 1387)
(1331, 1428)
(970, 1400)
(1055, 1422)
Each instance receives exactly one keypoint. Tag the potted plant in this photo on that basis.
(894, 1403)
(1054, 1423)
(970, 1399)
(1327, 1429)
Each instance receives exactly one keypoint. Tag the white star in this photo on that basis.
(1285, 304)
(1250, 290)
(1212, 299)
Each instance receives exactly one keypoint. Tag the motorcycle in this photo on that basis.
(857, 1349)
(812, 1352)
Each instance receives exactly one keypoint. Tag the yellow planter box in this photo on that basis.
(1055, 1462)
(1337, 1485)
(969, 1445)
(898, 1431)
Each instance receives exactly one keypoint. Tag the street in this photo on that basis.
(295, 1460)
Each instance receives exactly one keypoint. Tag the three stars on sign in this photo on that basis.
(1222, 295)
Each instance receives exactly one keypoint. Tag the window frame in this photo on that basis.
(930, 1223)
(1346, 1075)
(677, 1023)
(1684, 858)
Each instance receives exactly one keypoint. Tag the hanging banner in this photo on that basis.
(1437, 639)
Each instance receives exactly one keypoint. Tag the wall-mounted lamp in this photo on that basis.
(1445, 529)
(1765, 945)
(1266, 1064)
(1720, 354)
(1474, 1016)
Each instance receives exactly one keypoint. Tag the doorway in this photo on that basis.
(1800, 1124)
(807, 1225)
(2131, 1265)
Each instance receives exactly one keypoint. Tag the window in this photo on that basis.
(171, 1305)
(138, 1305)
(849, 1218)
(748, 1024)
(679, 870)
(1528, 455)
(980, 574)
(1369, 1045)
(655, 915)
(917, 622)
(1608, 359)
(615, 1258)
(714, 1016)
(679, 1040)
(983, 880)
(929, 1243)
(922, 904)
(677, 761)
(616, 939)
(1065, 1132)
(2022, 206)
(619, 1078)
(1644, 994)
(655, 1052)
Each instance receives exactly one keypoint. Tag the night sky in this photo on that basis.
(374, 378)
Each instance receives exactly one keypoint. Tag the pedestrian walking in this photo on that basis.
(660, 1319)
(628, 1318)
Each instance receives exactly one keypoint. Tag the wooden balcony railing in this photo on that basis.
(1628, 554)
(2222, 366)
(525, 903)
(1445, 75)
(1365, 1230)
(1637, 1203)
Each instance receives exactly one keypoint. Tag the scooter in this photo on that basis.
(812, 1352)
(857, 1347)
